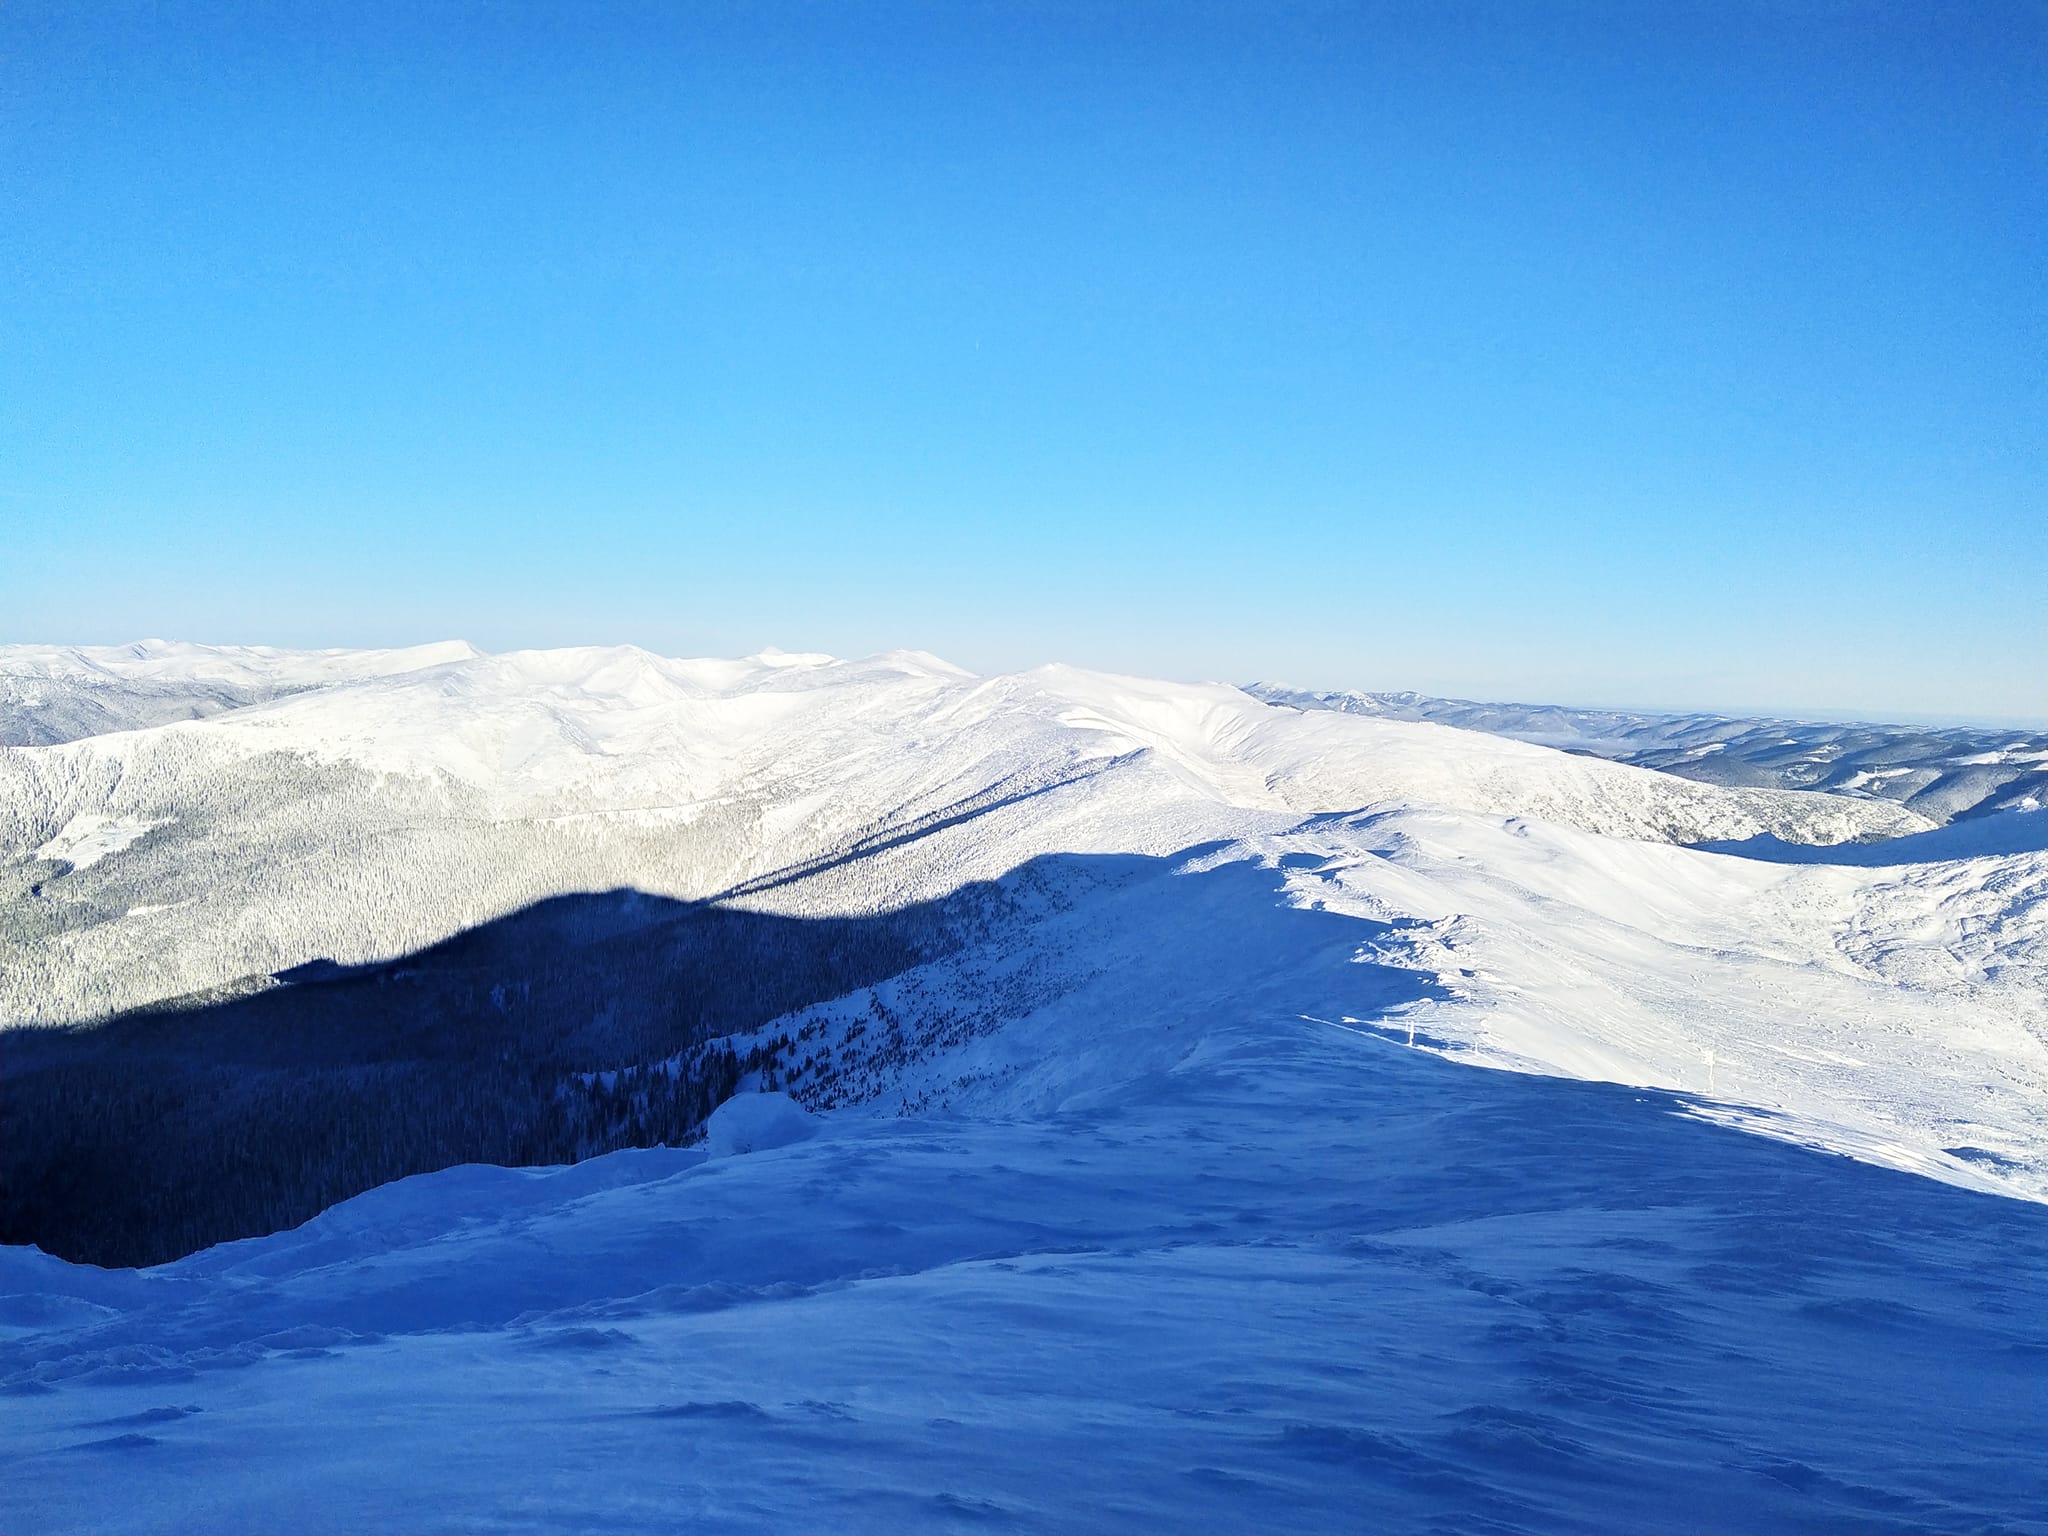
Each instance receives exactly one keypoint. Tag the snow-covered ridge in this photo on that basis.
(1941, 772)
(596, 720)
(390, 807)
(410, 796)
(247, 665)
(51, 694)
(1168, 1148)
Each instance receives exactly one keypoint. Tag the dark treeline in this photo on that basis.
(173, 1128)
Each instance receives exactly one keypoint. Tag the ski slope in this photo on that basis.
(1179, 1185)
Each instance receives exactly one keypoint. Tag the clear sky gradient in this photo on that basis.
(1641, 354)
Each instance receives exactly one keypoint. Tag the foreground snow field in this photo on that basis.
(1172, 1201)
(1305, 1279)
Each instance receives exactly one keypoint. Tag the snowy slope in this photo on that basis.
(53, 693)
(1943, 773)
(471, 788)
(1894, 1009)
(1170, 1199)
(1898, 1016)
(1298, 1279)
(246, 666)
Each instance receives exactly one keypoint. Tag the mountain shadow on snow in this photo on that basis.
(576, 1026)
(1323, 1283)
(171, 1128)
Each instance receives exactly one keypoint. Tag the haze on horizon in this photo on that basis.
(1684, 357)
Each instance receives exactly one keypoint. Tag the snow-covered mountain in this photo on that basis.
(1945, 773)
(53, 693)
(376, 814)
(415, 795)
(1138, 1022)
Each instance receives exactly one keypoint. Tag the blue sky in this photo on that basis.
(1650, 354)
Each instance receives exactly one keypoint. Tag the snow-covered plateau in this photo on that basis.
(1109, 1153)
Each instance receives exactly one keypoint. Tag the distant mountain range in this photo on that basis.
(1944, 774)
(57, 693)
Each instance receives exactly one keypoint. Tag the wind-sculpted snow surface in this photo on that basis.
(1160, 1195)
(1294, 1277)
(1897, 1016)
